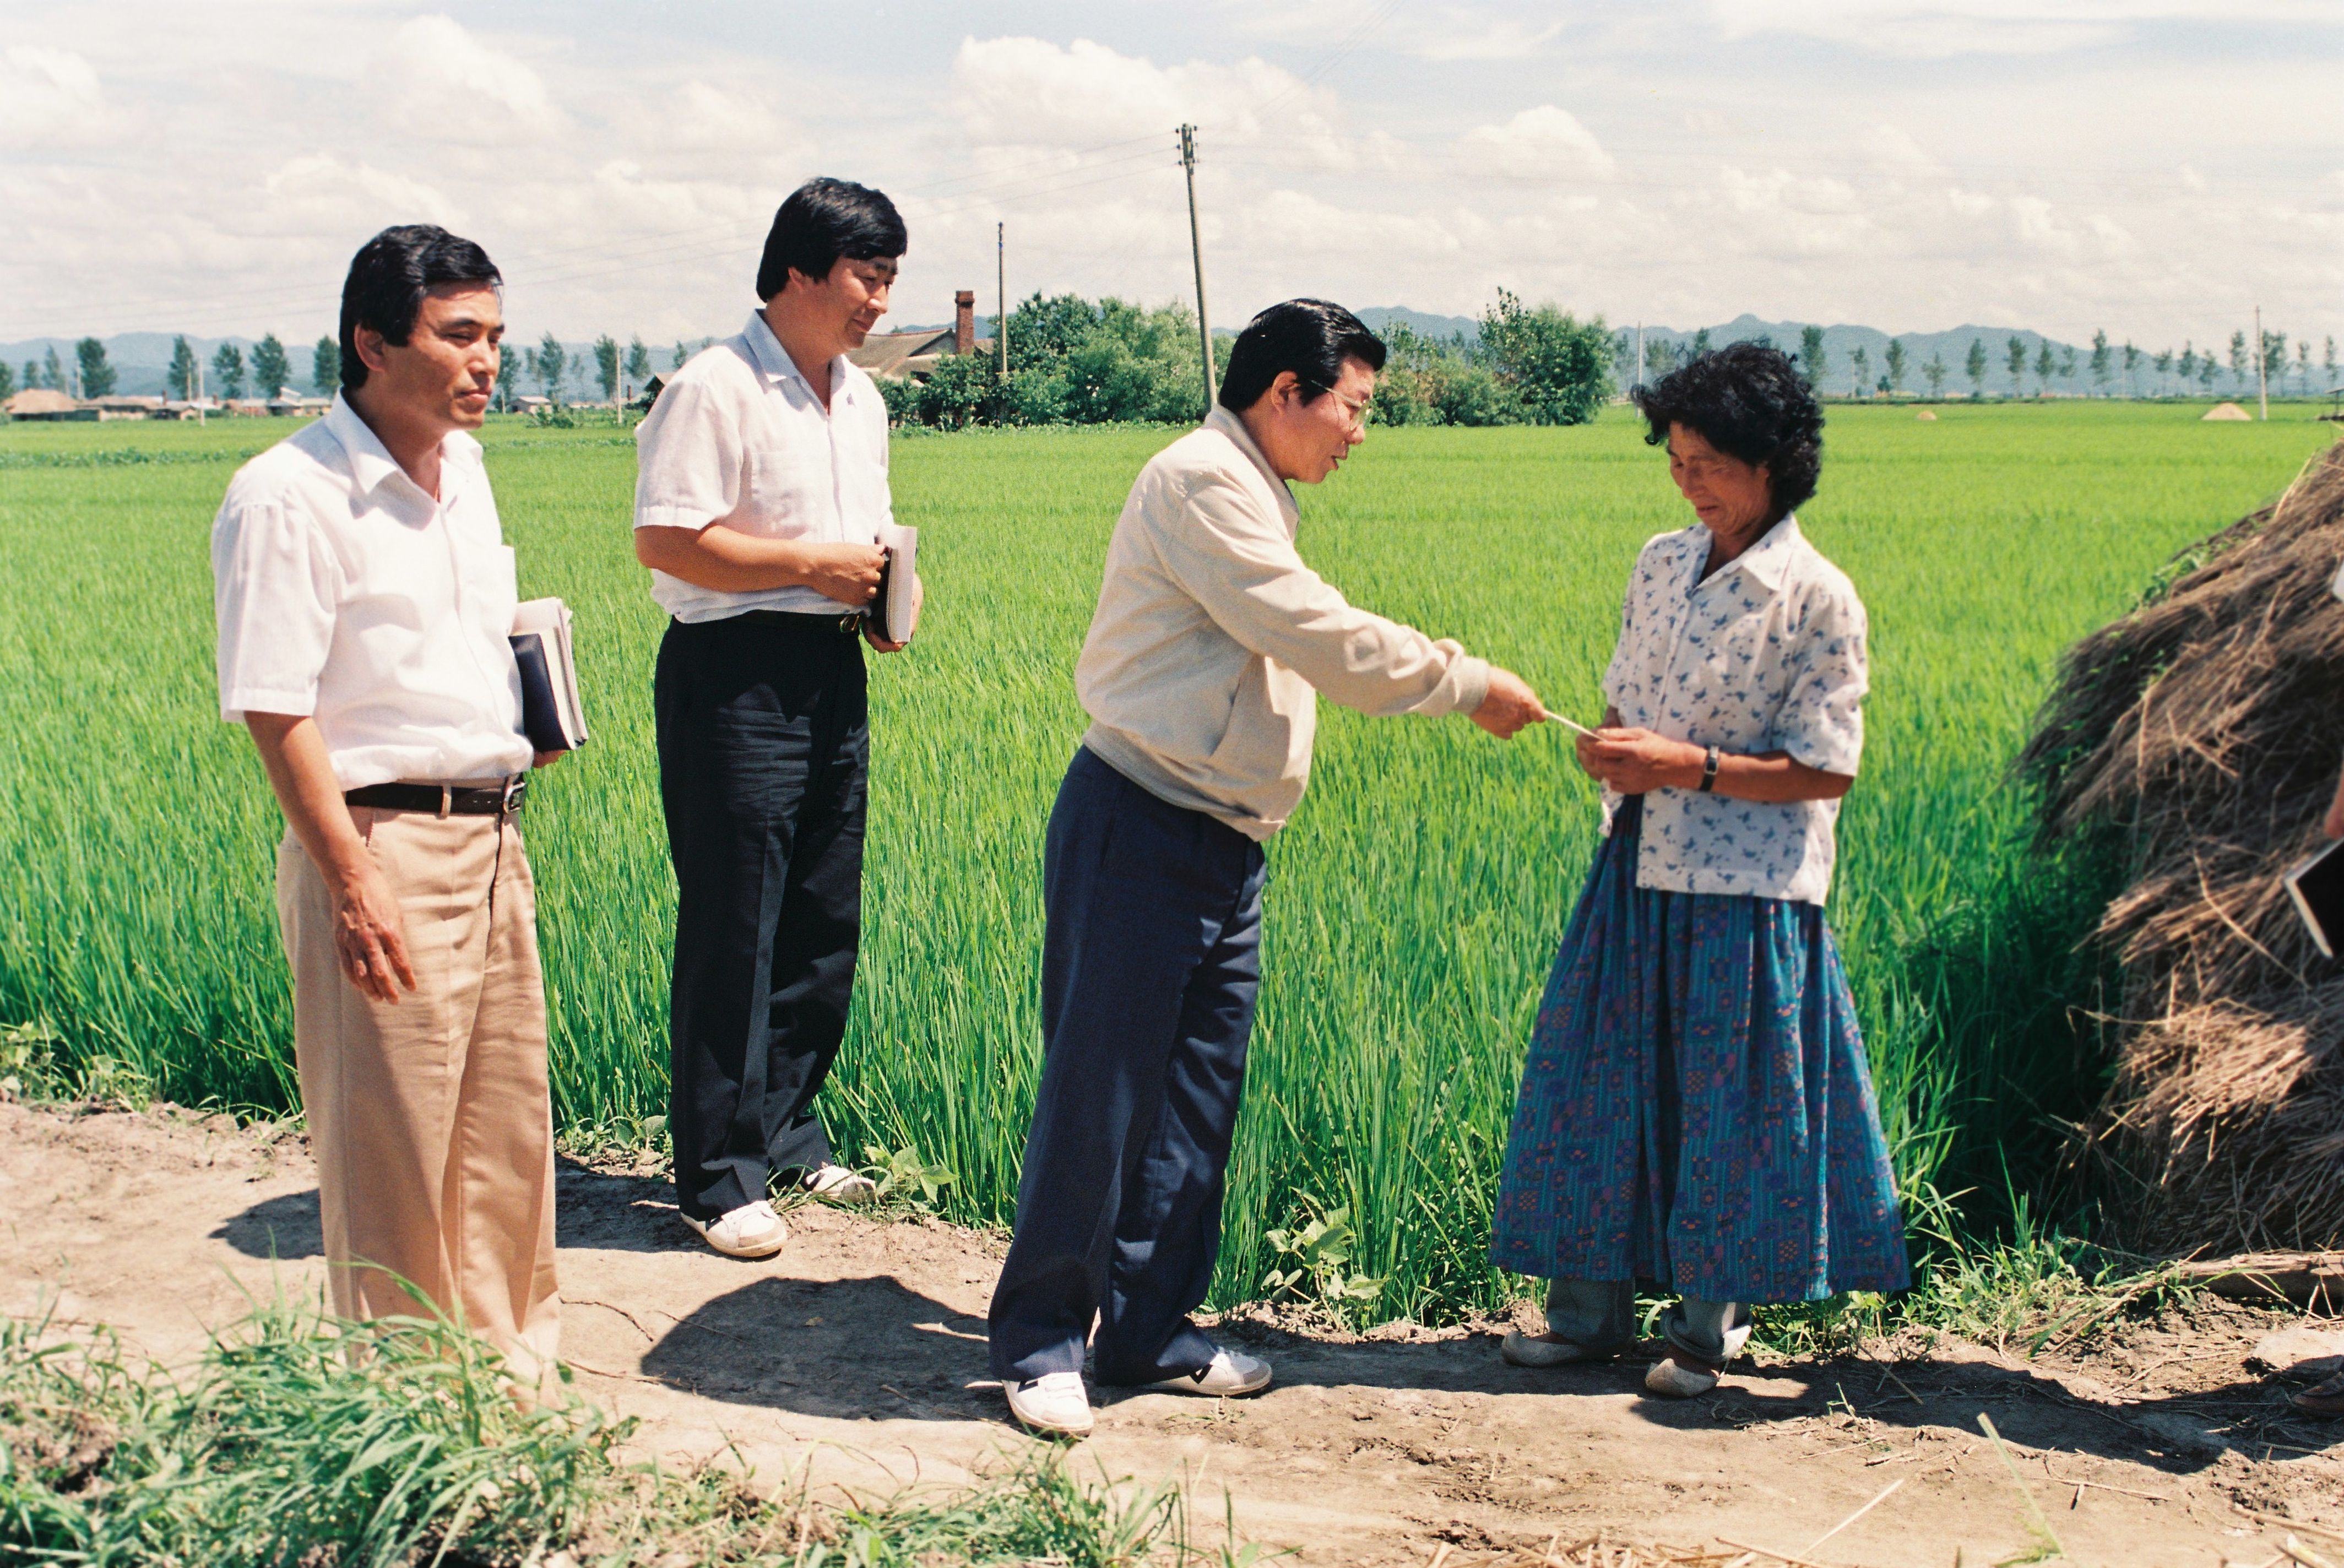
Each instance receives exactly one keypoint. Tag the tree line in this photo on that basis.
(2114, 370)
(1074, 360)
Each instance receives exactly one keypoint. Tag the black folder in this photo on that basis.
(2317, 885)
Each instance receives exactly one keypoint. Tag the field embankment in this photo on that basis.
(1414, 907)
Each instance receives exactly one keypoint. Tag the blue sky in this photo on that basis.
(2155, 168)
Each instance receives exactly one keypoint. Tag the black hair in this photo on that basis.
(1308, 337)
(388, 278)
(823, 220)
(1749, 401)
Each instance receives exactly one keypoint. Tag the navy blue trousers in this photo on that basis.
(764, 751)
(1151, 963)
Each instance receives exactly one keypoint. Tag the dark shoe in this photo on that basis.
(1522, 1350)
(2322, 1398)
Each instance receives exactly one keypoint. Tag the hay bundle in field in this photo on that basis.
(2206, 731)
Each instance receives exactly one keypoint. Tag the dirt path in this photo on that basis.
(860, 1352)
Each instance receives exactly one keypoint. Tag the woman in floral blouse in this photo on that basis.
(1696, 1111)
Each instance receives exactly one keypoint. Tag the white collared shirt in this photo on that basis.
(739, 438)
(1766, 655)
(343, 593)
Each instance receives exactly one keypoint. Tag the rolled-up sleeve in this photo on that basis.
(275, 584)
(688, 459)
(1248, 576)
(1822, 718)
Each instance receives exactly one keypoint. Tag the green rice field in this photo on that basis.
(1414, 905)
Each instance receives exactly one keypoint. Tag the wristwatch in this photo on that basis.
(1709, 770)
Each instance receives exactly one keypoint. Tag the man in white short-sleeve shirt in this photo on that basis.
(760, 490)
(364, 596)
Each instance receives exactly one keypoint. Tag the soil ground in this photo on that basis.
(858, 1356)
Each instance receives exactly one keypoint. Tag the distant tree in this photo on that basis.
(1558, 366)
(2188, 363)
(2131, 363)
(2046, 367)
(2014, 352)
(2164, 362)
(97, 375)
(7, 379)
(270, 369)
(510, 365)
(1934, 373)
(1660, 357)
(606, 366)
(1973, 366)
(325, 367)
(1896, 364)
(2207, 370)
(551, 363)
(179, 381)
(227, 371)
(2067, 365)
(32, 375)
(2100, 363)
(1625, 369)
(2328, 359)
(1701, 342)
(676, 363)
(1859, 368)
(2303, 365)
(2240, 363)
(639, 364)
(1813, 358)
(2274, 360)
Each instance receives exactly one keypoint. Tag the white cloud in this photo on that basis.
(1032, 91)
(317, 191)
(1545, 143)
(449, 87)
(51, 98)
(1936, 29)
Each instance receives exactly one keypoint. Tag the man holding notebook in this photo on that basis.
(365, 600)
(760, 497)
(1211, 640)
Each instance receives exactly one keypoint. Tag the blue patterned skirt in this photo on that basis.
(1696, 1110)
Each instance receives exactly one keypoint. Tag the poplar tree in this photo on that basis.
(52, 370)
(1895, 364)
(639, 363)
(551, 363)
(325, 367)
(676, 363)
(606, 366)
(2164, 363)
(97, 375)
(179, 381)
(2238, 358)
(1859, 364)
(2131, 363)
(1975, 366)
(2044, 366)
(270, 369)
(228, 371)
(2100, 361)
(1935, 370)
(2016, 352)
(7, 381)
(1812, 356)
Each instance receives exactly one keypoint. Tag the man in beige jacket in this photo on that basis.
(1211, 640)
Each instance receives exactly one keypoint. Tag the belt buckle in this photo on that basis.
(515, 788)
(447, 800)
(849, 621)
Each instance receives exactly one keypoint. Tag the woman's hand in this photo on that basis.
(1636, 761)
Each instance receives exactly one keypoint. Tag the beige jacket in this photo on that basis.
(1211, 636)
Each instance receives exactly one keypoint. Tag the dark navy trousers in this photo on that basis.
(1151, 962)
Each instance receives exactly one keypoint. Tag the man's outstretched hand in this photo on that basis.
(1510, 706)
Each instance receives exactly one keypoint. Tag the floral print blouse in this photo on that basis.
(1767, 655)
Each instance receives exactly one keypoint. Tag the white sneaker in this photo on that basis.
(1681, 1376)
(751, 1231)
(1053, 1402)
(1232, 1374)
(836, 1184)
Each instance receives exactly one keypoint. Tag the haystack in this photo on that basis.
(2226, 411)
(2205, 732)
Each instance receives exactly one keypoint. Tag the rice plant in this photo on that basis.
(1413, 906)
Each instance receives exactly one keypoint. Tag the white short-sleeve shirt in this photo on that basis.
(345, 593)
(1766, 655)
(739, 438)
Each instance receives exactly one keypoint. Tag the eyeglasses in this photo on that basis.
(1355, 415)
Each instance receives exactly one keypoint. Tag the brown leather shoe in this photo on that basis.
(2322, 1398)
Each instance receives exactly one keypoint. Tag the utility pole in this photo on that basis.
(1196, 251)
(2262, 368)
(1001, 321)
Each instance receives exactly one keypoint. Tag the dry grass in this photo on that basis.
(2205, 731)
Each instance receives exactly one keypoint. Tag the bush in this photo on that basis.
(1558, 367)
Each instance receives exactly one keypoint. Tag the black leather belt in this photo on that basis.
(444, 800)
(846, 622)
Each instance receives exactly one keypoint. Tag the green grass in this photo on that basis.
(1413, 906)
(281, 1446)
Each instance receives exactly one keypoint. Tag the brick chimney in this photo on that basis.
(964, 321)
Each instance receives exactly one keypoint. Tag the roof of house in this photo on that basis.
(41, 400)
(127, 400)
(883, 354)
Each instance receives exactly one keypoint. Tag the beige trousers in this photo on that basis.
(430, 1117)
